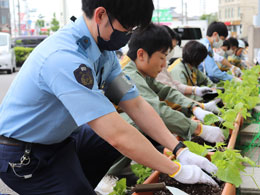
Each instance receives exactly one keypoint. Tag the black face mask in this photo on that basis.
(117, 40)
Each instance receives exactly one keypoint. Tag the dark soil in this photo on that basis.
(194, 189)
(201, 141)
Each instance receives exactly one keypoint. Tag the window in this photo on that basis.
(232, 12)
(4, 3)
(189, 33)
(219, 14)
(4, 20)
(3, 40)
(225, 13)
(238, 12)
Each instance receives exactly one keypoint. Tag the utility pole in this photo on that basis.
(182, 12)
(64, 11)
(186, 14)
(15, 30)
(19, 18)
(158, 12)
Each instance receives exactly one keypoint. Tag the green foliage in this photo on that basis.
(40, 23)
(120, 188)
(229, 162)
(225, 133)
(210, 119)
(21, 54)
(230, 165)
(141, 171)
(196, 148)
(55, 25)
(209, 17)
(239, 97)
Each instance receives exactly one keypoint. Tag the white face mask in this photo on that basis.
(217, 44)
(229, 52)
(221, 52)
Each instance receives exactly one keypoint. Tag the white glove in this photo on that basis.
(236, 70)
(212, 106)
(191, 174)
(212, 134)
(188, 158)
(200, 113)
(237, 79)
(200, 91)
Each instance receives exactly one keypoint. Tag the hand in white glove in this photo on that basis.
(236, 70)
(191, 174)
(188, 158)
(200, 113)
(212, 134)
(200, 91)
(237, 79)
(212, 106)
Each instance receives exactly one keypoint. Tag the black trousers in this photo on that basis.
(74, 166)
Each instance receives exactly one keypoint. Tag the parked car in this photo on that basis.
(7, 55)
(28, 41)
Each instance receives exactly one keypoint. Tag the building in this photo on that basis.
(238, 15)
(5, 22)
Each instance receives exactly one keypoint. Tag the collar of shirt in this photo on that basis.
(92, 52)
(132, 66)
(188, 69)
(206, 42)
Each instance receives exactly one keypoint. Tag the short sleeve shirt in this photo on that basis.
(60, 87)
(209, 66)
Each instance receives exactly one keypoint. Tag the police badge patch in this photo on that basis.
(83, 75)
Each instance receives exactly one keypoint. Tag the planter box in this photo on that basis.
(229, 189)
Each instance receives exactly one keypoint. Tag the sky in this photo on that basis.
(48, 7)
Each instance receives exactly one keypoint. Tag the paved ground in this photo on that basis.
(5, 82)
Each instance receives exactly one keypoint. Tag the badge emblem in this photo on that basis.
(83, 75)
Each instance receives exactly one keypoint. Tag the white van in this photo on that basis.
(186, 34)
(7, 55)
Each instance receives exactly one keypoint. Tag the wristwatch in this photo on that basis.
(179, 146)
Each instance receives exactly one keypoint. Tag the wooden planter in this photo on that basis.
(229, 189)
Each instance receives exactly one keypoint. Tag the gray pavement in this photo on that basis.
(5, 82)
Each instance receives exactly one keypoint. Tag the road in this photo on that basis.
(5, 82)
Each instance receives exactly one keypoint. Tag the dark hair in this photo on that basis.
(218, 27)
(246, 43)
(233, 42)
(226, 44)
(174, 34)
(129, 13)
(153, 38)
(194, 53)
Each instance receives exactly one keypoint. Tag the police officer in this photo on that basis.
(67, 82)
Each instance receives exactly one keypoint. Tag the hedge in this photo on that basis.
(21, 54)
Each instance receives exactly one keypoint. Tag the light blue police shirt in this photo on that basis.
(211, 68)
(58, 87)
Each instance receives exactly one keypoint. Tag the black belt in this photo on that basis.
(11, 142)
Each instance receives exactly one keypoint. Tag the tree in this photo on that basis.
(209, 17)
(55, 25)
(40, 23)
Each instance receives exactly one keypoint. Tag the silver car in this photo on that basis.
(7, 54)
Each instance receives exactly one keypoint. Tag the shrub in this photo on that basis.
(21, 54)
